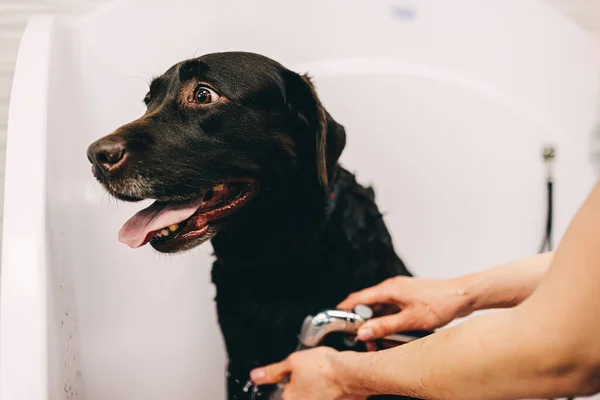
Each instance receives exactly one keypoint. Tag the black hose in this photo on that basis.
(547, 242)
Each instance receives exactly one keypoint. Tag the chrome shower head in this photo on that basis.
(314, 329)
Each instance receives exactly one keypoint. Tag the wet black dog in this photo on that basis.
(238, 149)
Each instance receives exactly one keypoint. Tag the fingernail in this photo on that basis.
(365, 334)
(257, 374)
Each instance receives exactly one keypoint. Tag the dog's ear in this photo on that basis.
(328, 137)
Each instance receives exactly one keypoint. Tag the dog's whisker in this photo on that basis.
(146, 79)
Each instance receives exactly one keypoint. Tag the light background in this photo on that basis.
(15, 13)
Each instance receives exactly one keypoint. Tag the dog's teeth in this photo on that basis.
(158, 234)
(165, 232)
(174, 227)
(219, 187)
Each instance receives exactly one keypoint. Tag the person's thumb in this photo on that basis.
(271, 374)
(377, 328)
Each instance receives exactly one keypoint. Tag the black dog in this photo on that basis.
(238, 149)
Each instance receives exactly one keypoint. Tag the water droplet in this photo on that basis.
(254, 393)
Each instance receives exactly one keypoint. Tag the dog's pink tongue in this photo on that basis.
(136, 232)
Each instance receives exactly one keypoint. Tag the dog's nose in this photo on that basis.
(107, 154)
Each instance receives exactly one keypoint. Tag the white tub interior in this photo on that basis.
(459, 100)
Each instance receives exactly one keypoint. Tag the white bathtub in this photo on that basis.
(461, 97)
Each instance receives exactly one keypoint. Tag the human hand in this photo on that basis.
(425, 304)
(314, 374)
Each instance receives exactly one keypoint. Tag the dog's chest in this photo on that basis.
(262, 300)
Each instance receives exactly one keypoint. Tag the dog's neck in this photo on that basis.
(279, 226)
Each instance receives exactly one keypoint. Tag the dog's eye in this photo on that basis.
(147, 99)
(204, 95)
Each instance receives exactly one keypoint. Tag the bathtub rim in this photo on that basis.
(23, 291)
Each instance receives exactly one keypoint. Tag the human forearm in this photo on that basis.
(433, 303)
(503, 286)
(494, 356)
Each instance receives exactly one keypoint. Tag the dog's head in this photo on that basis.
(219, 133)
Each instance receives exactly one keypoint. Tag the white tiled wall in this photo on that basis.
(14, 14)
